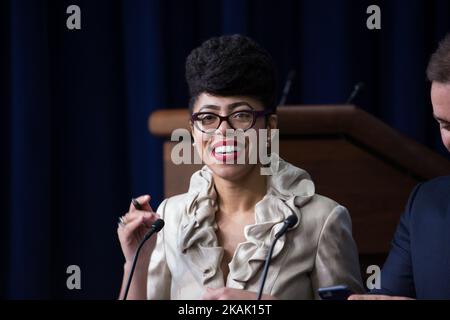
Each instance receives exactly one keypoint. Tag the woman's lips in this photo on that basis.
(226, 150)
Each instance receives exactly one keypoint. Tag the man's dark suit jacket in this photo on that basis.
(418, 265)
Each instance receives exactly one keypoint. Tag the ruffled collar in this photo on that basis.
(287, 191)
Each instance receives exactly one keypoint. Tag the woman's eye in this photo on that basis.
(207, 117)
(242, 115)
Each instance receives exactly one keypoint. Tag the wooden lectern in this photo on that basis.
(352, 157)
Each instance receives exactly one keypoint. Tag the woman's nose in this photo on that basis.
(223, 127)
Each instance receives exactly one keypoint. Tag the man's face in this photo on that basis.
(440, 98)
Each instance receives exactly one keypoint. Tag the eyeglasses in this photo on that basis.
(209, 122)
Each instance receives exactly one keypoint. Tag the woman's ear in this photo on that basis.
(191, 130)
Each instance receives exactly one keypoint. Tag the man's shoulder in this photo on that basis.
(440, 184)
(431, 199)
(435, 190)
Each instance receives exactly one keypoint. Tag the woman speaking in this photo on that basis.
(217, 235)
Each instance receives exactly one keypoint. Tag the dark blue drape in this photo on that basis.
(74, 105)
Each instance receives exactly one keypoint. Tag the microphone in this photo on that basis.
(358, 87)
(287, 87)
(289, 222)
(155, 228)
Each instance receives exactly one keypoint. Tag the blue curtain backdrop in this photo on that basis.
(74, 105)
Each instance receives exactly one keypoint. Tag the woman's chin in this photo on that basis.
(231, 172)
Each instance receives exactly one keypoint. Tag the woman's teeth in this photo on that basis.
(226, 149)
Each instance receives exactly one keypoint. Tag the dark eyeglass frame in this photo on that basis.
(256, 115)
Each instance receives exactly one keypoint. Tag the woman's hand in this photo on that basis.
(375, 297)
(137, 224)
(233, 294)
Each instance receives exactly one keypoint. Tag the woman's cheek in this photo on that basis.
(203, 150)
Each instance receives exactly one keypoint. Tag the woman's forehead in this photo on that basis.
(228, 103)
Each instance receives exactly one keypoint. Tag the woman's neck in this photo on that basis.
(241, 195)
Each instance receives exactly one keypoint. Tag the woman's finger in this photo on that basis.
(142, 203)
(212, 294)
(148, 216)
(145, 218)
(131, 227)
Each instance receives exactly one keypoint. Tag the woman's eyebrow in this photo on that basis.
(209, 106)
(229, 107)
(238, 104)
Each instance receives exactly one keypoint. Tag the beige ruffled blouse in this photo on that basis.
(318, 251)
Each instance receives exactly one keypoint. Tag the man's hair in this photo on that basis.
(231, 65)
(439, 66)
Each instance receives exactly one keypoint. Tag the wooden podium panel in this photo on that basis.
(352, 157)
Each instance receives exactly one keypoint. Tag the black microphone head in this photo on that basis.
(291, 220)
(158, 225)
(359, 85)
